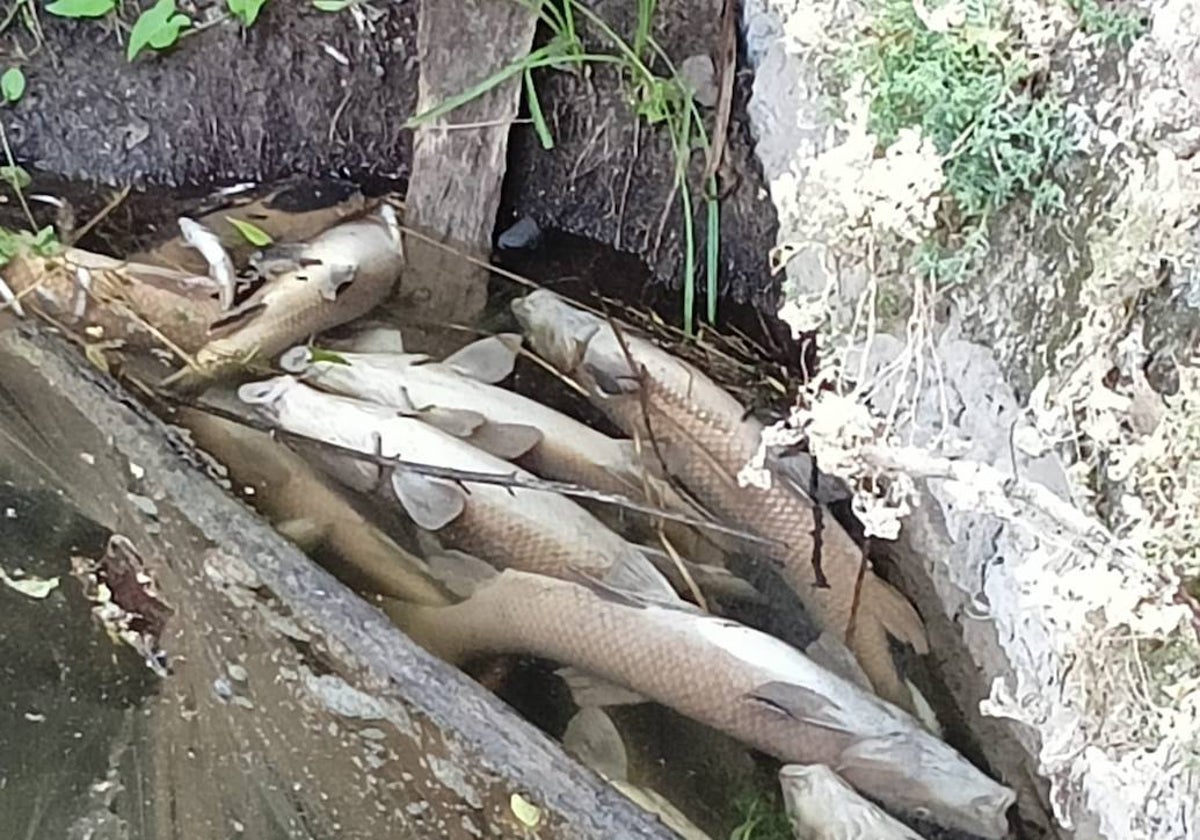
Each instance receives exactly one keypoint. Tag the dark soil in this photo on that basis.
(229, 105)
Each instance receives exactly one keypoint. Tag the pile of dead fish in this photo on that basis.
(509, 566)
(542, 575)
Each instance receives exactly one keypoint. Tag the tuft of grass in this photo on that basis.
(970, 91)
(661, 99)
(762, 818)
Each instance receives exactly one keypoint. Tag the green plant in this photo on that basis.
(762, 818)
(158, 27)
(1117, 26)
(969, 90)
(245, 10)
(12, 84)
(251, 232)
(663, 101)
(43, 243)
(81, 8)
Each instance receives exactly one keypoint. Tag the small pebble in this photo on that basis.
(524, 234)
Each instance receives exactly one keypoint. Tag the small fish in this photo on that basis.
(507, 526)
(821, 806)
(337, 277)
(288, 491)
(220, 266)
(706, 438)
(723, 674)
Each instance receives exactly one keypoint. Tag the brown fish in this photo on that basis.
(529, 529)
(567, 450)
(337, 277)
(701, 432)
(288, 491)
(735, 679)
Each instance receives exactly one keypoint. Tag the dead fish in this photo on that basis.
(337, 277)
(220, 266)
(700, 430)
(116, 299)
(567, 450)
(507, 526)
(288, 492)
(745, 683)
(821, 806)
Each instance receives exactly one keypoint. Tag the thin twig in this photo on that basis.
(471, 476)
(100, 216)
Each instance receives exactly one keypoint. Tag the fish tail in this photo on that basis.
(894, 612)
(869, 643)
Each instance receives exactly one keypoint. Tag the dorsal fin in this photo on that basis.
(488, 360)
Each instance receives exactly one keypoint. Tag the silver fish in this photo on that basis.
(220, 266)
(567, 450)
(821, 806)
(507, 526)
(745, 683)
(706, 438)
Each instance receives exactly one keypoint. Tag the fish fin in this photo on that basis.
(456, 422)
(505, 440)
(459, 572)
(923, 711)
(799, 703)
(636, 574)
(375, 340)
(237, 316)
(831, 653)
(895, 613)
(606, 591)
(431, 503)
(588, 690)
(304, 532)
(488, 360)
(338, 276)
(592, 737)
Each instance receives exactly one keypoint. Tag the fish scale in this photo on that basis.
(700, 428)
(735, 679)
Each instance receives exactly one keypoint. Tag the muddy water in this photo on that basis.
(66, 695)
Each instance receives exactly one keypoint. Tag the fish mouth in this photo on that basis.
(296, 360)
(265, 392)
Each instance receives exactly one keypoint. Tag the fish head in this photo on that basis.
(557, 330)
(918, 775)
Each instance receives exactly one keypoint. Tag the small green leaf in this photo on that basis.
(252, 233)
(245, 10)
(316, 354)
(12, 84)
(45, 242)
(158, 27)
(15, 176)
(81, 8)
(332, 5)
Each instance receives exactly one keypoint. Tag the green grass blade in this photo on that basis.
(689, 259)
(535, 113)
(712, 247)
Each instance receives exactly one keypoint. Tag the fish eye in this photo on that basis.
(922, 813)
